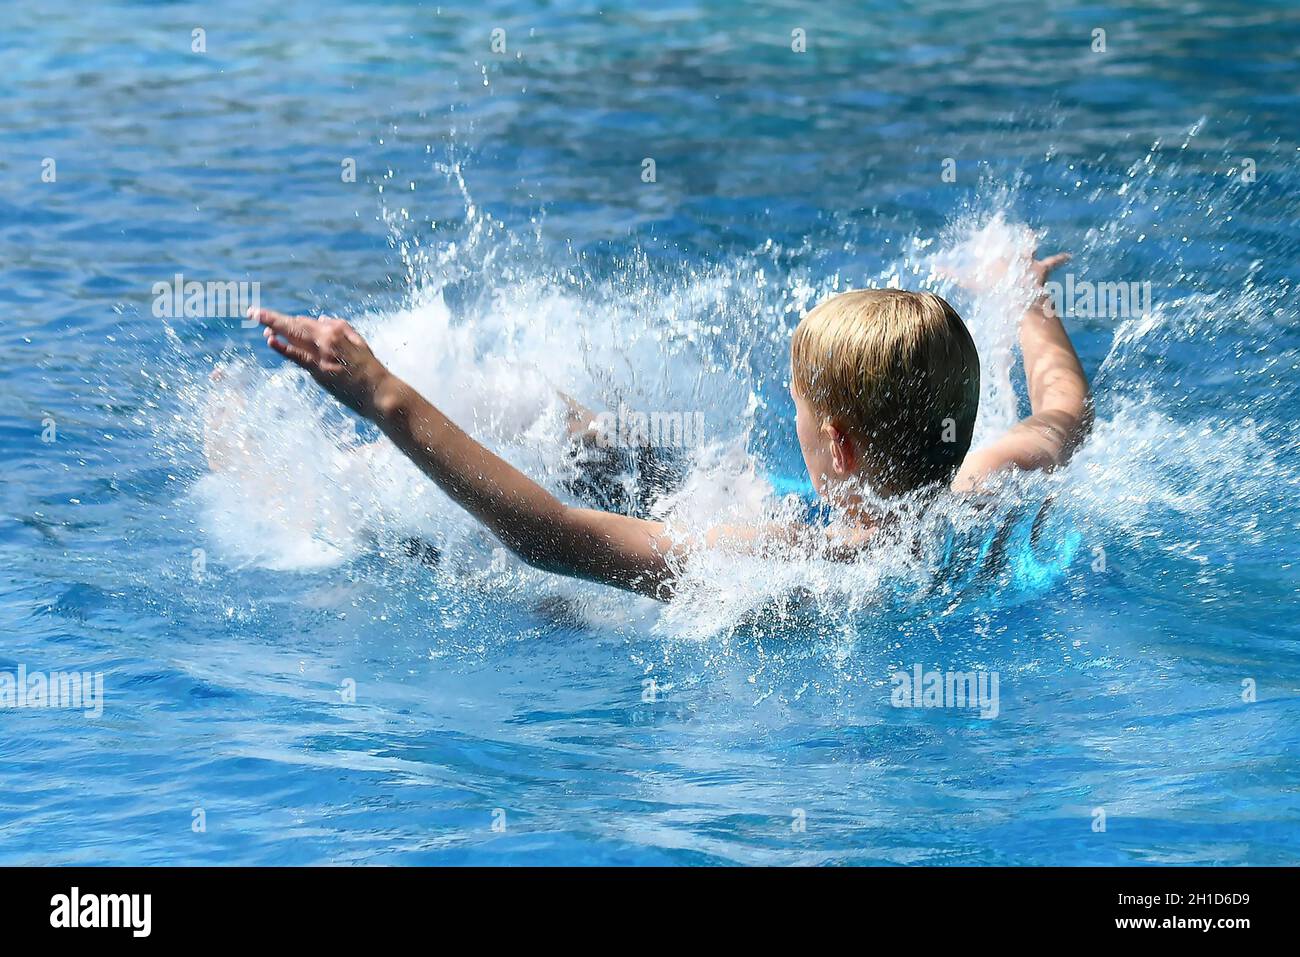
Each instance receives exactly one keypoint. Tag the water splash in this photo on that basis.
(493, 328)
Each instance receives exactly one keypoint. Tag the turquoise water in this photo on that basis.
(499, 237)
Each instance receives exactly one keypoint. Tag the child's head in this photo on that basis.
(886, 383)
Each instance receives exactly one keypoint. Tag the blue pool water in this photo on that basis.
(499, 236)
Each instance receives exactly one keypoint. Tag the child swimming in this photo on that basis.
(885, 384)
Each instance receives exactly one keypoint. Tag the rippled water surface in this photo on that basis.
(499, 240)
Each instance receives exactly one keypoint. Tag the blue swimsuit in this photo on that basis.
(816, 511)
(1018, 544)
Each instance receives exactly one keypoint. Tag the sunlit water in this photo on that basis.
(499, 242)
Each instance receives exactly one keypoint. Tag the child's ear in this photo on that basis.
(844, 451)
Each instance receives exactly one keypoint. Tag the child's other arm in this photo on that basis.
(615, 549)
(1059, 396)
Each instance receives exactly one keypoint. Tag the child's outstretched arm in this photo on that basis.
(614, 549)
(1059, 397)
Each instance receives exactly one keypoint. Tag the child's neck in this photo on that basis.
(853, 505)
(864, 506)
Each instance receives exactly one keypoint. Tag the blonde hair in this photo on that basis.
(899, 372)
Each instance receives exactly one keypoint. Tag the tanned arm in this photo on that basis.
(1059, 397)
(606, 547)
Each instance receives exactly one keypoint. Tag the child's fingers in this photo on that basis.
(1051, 262)
(290, 352)
(295, 329)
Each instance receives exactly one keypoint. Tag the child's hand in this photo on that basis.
(1040, 269)
(332, 351)
(1002, 258)
(1022, 270)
